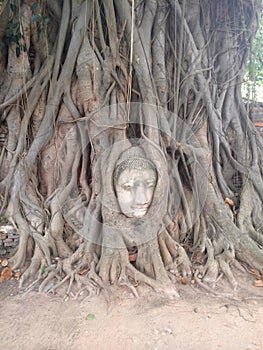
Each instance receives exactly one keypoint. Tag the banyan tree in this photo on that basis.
(127, 154)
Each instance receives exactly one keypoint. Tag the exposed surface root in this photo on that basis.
(78, 92)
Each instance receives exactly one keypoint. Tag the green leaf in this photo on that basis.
(13, 7)
(17, 51)
(36, 18)
(90, 317)
(34, 6)
(8, 32)
(41, 30)
(2, 218)
(13, 39)
(14, 25)
(46, 20)
(18, 36)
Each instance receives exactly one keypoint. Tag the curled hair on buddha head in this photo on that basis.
(133, 158)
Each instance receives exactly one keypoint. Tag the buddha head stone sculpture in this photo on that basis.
(135, 179)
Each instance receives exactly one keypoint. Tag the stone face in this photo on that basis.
(134, 190)
(135, 180)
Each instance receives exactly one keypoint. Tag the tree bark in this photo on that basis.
(85, 80)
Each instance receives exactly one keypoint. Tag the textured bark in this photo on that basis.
(88, 77)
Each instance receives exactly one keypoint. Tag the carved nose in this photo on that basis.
(140, 196)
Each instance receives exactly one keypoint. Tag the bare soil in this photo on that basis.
(197, 320)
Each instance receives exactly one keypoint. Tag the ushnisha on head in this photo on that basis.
(135, 179)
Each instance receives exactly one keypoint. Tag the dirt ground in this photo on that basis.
(196, 321)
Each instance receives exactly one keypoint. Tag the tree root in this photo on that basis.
(114, 266)
(58, 161)
(211, 290)
(174, 256)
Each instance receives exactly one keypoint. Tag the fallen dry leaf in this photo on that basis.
(256, 274)
(183, 280)
(4, 262)
(229, 201)
(258, 283)
(6, 274)
(17, 275)
(193, 281)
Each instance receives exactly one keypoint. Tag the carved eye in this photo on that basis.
(127, 187)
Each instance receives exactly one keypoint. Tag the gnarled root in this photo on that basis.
(114, 266)
(174, 256)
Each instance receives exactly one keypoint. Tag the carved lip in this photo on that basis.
(140, 211)
(140, 207)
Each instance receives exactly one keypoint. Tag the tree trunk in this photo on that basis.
(85, 81)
